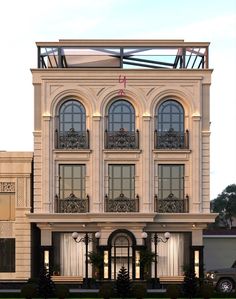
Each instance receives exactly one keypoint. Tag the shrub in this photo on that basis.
(139, 290)
(62, 291)
(173, 291)
(123, 283)
(29, 290)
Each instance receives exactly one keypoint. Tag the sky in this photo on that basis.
(24, 22)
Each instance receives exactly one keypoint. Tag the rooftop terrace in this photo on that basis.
(124, 54)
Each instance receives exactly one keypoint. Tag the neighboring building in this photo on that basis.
(121, 148)
(15, 202)
(217, 241)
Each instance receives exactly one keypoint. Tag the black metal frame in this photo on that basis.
(184, 57)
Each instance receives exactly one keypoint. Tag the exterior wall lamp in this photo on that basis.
(156, 239)
(86, 239)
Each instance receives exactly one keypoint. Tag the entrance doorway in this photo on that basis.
(122, 251)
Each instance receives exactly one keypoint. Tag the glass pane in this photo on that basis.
(175, 172)
(116, 171)
(117, 184)
(67, 171)
(166, 118)
(126, 184)
(166, 184)
(77, 171)
(77, 184)
(165, 172)
(68, 108)
(68, 184)
(116, 118)
(127, 171)
(67, 117)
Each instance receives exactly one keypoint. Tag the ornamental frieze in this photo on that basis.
(7, 187)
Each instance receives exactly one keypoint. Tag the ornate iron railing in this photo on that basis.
(122, 139)
(172, 204)
(121, 204)
(72, 204)
(171, 140)
(72, 139)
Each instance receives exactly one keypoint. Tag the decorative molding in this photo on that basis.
(6, 229)
(7, 187)
(20, 192)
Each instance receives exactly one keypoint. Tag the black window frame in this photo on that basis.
(164, 192)
(127, 192)
(77, 192)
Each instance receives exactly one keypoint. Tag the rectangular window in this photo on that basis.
(7, 254)
(121, 181)
(170, 181)
(72, 180)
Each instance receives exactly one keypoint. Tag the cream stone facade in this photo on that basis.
(15, 202)
(85, 84)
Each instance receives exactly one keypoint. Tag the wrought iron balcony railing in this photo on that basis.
(172, 204)
(171, 140)
(122, 204)
(72, 139)
(71, 204)
(122, 139)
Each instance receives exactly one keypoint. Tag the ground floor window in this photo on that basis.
(172, 256)
(69, 256)
(7, 255)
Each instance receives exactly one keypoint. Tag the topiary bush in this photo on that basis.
(123, 284)
(29, 290)
(173, 291)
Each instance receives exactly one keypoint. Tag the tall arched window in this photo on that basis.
(71, 133)
(120, 132)
(170, 126)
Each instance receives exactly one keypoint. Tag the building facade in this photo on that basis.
(121, 156)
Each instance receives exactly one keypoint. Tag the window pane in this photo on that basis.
(116, 172)
(71, 115)
(117, 184)
(7, 253)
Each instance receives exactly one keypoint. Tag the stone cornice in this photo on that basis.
(90, 217)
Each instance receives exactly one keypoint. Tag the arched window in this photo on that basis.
(72, 132)
(121, 116)
(170, 126)
(120, 132)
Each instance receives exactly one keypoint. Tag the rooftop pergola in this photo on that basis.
(124, 54)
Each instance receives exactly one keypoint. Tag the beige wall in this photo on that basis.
(145, 89)
(15, 202)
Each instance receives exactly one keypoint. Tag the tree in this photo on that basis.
(225, 205)
(123, 283)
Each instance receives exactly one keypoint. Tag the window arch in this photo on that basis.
(71, 131)
(170, 125)
(121, 115)
(120, 132)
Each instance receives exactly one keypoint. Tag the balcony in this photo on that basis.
(121, 204)
(72, 140)
(122, 139)
(72, 204)
(172, 204)
(171, 140)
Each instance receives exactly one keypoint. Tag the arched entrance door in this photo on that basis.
(122, 251)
